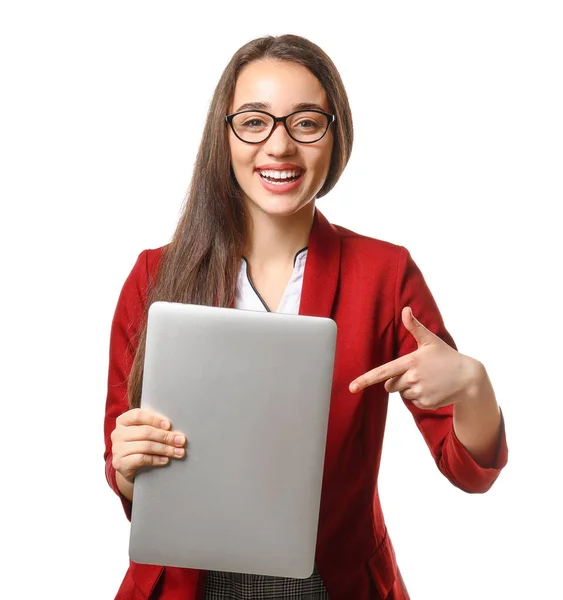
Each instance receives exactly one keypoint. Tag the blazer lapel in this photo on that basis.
(320, 280)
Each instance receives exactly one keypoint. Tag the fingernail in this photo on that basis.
(163, 459)
(178, 451)
(179, 440)
(165, 424)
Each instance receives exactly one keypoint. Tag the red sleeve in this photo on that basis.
(126, 323)
(451, 457)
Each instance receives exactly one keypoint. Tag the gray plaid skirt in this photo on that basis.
(241, 586)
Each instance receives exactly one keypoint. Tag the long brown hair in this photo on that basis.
(201, 263)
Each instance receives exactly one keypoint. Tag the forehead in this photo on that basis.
(281, 85)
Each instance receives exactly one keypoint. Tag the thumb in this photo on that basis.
(422, 335)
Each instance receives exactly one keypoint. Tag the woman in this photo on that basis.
(277, 137)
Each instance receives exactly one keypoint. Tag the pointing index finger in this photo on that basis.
(382, 373)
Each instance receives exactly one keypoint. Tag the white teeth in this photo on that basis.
(279, 174)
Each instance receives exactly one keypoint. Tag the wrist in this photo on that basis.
(124, 485)
(477, 384)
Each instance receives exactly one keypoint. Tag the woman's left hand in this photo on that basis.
(432, 376)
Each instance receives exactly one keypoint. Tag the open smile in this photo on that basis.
(280, 181)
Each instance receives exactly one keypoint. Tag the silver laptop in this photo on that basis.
(251, 391)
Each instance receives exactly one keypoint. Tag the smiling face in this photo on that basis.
(279, 176)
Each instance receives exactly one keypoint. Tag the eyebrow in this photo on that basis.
(268, 106)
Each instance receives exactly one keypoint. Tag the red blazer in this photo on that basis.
(361, 283)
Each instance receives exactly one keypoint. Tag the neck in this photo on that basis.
(274, 240)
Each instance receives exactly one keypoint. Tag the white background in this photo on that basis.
(458, 156)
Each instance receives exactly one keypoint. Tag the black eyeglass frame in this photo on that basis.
(331, 119)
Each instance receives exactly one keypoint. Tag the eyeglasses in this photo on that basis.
(303, 126)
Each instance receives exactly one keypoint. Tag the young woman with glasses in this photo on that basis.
(277, 138)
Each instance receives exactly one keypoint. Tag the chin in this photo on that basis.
(279, 206)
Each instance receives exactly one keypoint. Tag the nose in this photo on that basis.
(279, 143)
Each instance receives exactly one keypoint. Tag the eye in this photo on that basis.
(307, 124)
(254, 123)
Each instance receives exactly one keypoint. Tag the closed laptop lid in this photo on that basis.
(251, 391)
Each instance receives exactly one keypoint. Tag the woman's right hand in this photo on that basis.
(142, 438)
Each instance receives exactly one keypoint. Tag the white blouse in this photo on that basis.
(248, 298)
